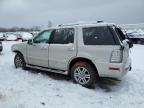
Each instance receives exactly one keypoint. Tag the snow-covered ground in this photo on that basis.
(35, 89)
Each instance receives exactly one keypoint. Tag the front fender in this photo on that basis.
(20, 48)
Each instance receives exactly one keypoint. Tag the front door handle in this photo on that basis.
(71, 49)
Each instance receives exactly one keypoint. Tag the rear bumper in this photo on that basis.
(114, 70)
(125, 68)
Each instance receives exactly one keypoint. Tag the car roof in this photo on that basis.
(86, 24)
(83, 24)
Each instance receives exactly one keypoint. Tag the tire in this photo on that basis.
(19, 61)
(84, 74)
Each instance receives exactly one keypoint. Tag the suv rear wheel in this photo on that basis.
(84, 74)
(19, 61)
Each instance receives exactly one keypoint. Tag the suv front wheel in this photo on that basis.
(19, 61)
(84, 74)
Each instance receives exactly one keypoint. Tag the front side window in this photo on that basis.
(63, 36)
(43, 37)
(98, 36)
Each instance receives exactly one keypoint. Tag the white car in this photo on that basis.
(11, 37)
(84, 51)
(26, 36)
(2, 37)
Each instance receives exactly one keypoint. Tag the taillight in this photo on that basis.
(116, 56)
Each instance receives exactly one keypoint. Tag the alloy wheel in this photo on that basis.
(81, 75)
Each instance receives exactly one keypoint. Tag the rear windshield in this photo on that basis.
(98, 36)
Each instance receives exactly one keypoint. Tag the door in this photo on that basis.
(62, 48)
(123, 39)
(37, 51)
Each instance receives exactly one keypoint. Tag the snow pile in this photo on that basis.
(135, 32)
(1, 35)
(36, 89)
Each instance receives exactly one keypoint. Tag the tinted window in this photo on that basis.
(120, 34)
(63, 36)
(43, 37)
(98, 36)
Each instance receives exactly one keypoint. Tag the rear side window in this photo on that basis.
(98, 36)
(63, 36)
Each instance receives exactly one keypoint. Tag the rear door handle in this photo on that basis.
(43, 48)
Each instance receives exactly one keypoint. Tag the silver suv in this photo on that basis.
(84, 51)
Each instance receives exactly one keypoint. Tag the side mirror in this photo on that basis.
(30, 42)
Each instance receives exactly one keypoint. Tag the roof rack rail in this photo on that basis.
(80, 23)
(67, 24)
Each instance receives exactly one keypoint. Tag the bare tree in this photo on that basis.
(49, 24)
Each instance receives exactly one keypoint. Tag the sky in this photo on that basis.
(28, 13)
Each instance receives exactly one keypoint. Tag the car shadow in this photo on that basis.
(106, 84)
(52, 75)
